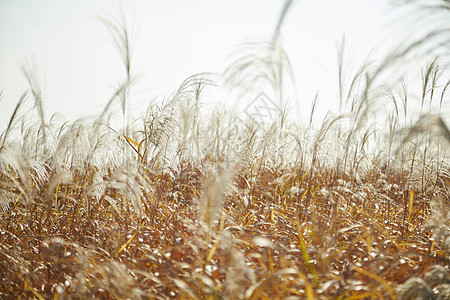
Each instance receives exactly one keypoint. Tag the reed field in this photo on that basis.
(183, 203)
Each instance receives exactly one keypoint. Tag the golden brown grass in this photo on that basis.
(354, 240)
(179, 204)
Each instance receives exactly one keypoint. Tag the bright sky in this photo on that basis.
(79, 66)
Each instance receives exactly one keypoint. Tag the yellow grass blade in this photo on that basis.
(31, 289)
(56, 195)
(411, 201)
(374, 276)
(308, 287)
(133, 142)
(126, 244)
(212, 251)
(369, 243)
(306, 257)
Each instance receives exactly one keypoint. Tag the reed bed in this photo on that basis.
(179, 203)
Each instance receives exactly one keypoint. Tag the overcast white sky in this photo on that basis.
(78, 64)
